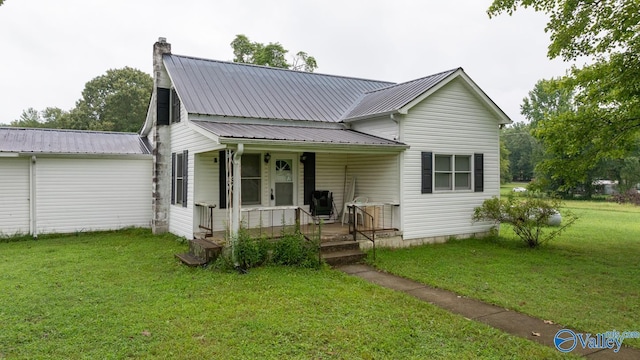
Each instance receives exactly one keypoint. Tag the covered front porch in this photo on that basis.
(280, 189)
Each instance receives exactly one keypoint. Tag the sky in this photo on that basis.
(50, 49)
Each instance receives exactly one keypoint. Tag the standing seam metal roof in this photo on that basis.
(211, 87)
(393, 98)
(55, 141)
(294, 133)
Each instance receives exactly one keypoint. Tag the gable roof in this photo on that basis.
(392, 98)
(55, 141)
(227, 89)
(211, 87)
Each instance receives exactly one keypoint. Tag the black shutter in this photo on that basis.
(427, 173)
(185, 174)
(222, 179)
(173, 178)
(162, 105)
(175, 106)
(478, 172)
(309, 176)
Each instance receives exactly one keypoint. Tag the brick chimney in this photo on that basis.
(161, 138)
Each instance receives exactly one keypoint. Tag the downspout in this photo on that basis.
(33, 225)
(237, 194)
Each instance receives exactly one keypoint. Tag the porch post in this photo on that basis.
(235, 204)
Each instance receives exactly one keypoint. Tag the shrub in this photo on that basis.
(529, 217)
(251, 252)
(631, 196)
(294, 249)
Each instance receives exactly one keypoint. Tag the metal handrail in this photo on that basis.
(353, 211)
(314, 225)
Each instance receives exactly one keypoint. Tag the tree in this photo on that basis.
(50, 117)
(272, 54)
(525, 151)
(605, 117)
(505, 165)
(116, 101)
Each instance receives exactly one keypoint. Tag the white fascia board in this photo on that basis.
(272, 145)
(148, 122)
(204, 132)
(8, 154)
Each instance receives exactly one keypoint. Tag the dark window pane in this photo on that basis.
(463, 163)
(251, 165)
(251, 191)
(463, 181)
(443, 162)
(443, 181)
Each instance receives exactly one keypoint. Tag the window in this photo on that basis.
(251, 180)
(451, 172)
(179, 178)
(175, 106)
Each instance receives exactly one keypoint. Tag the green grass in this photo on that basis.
(123, 295)
(588, 278)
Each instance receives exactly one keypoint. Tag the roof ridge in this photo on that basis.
(278, 69)
(68, 130)
(414, 80)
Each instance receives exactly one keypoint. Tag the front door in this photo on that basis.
(283, 184)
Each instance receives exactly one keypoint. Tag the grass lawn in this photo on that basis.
(123, 295)
(588, 278)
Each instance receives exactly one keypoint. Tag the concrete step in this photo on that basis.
(190, 260)
(344, 257)
(204, 249)
(340, 245)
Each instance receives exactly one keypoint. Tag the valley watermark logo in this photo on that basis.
(566, 340)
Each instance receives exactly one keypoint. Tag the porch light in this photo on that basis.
(303, 157)
(267, 157)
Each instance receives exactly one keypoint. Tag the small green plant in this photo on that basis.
(529, 217)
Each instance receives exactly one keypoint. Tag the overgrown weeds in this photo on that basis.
(290, 249)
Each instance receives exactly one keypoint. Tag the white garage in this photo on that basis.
(61, 181)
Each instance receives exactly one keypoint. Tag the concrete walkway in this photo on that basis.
(500, 318)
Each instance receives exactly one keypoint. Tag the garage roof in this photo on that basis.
(55, 141)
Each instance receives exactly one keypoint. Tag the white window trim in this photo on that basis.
(452, 173)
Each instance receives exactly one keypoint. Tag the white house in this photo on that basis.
(62, 181)
(425, 152)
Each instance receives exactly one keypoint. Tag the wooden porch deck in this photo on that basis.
(334, 231)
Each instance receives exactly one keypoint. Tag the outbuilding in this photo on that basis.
(64, 181)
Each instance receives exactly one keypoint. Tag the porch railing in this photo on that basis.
(289, 219)
(363, 223)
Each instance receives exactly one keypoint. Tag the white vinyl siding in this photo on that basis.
(88, 194)
(183, 221)
(450, 121)
(383, 127)
(14, 196)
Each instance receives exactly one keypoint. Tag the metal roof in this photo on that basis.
(211, 87)
(295, 134)
(393, 98)
(55, 141)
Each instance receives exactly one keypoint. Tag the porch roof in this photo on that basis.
(233, 133)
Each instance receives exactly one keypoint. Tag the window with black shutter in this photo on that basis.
(179, 173)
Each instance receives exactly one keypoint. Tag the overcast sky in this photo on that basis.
(50, 49)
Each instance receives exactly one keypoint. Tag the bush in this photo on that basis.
(529, 217)
(295, 250)
(631, 196)
(251, 252)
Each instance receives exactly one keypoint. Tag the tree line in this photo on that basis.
(584, 125)
(119, 99)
